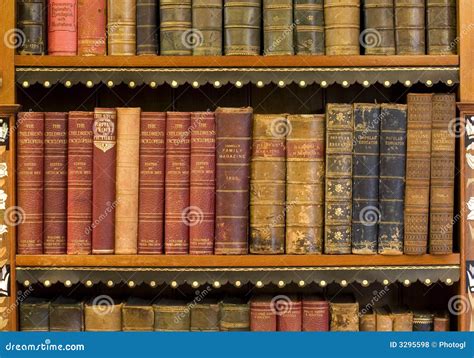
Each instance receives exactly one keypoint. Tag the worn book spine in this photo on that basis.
(147, 27)
(202, 183)
(403, 321)
(410, 27)
(315, 314)
(91, 27)
(263, 317)
(442, 174)
(367, 322)
(137, 318)
(379, 35)
(289, 316)
(32, 22)
(233, 151)
(178, 214)
(344, 317)
(441, 23)
(30, 172)
(267, 185)
(103, 178)
(55, 183)
(342, 25)
(207, 25)
(305, 150)
(103, 317)
(393, 122)
(176, 35)
(365, 178)
(309, 28)
(34, 315)
(234, 317)
(121, 26)
(151, 182)
(172, 317)
(422, 321)
(66, 317)
(384, 320)
(242, 27)
(62, 27)
(441, 322)
(418, 163)
(338, 210)
(278, 27)
(205, 317)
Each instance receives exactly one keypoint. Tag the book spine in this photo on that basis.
(422, 322)
(393, 122)
(55, 183)
(202, 183)
(441, 324)
(384, 322)
(103, 177)
(62, 27)
(289, 319)
(344, 317)
(441, 23)
(234, 317)
(152, 183)
(178, 214)
(66, 317)
(267, 185)
(342, 23)
(121, 24)
(338, 210)
(126, 189)
(410, 27)
(30, 171)
(367, 322)
(91, 25)
(34, 317)
(32, 23)
(207, 24)
(379, 33)
(147, 27)
(262, 317)
(205, 318)
(365, 179)
(176, 35)
(79, 191)
(242, 27)
(103, 318)
(403, 322)
(137, 318)
(315, 316)
(309, 29)
(172, 318)
(278, 27)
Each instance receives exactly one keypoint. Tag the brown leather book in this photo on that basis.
(66, 315)
(178, 213)
(207, 23)
(172, 316)
(242, 27)
(31, 21)
(137, 315)
(152, 182)
(34, 315)
(233, 150)
(103, 315)
(344, 316)
(62, 27)
(367, 322)
(91, 26)
(176, 35)
(342, 23)
(441, 322)
(103, 176)
(315, 314)
(384, 319)
(263, 317)
(441, 23)
(289, 314)
(402, 320)
(278, 27)
(126, 207)
(423, 321)
(378, 38)
(442, 174)
(417, 188)
(147, 27)
(202, 183)
(234, 316)
(79, 191)
(30, 171)
(305, 148)
(55, 183)
(410, 27)
(205, 317)
(121, 26)
(309, 27)
(267, 184)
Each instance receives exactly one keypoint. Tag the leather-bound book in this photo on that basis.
(289, 314)
(55, 183)
(103, 315)
(207, 23)
(344, 316)
(315, 314)
(176, 36)
(338, 210)
(379, 35)
(32, 22)
(137, 315)
(202, 183)
(91, 26)
(393, 123)
(242, 27)
(267, 184)
(342, 24)
(418, 163)
(152, 182)
(30, 171)
(309, 29)
(178, 214)
(384, 320)
(62, 27)
(103, 176)
(79, 190)
(205, 317)
(441, 322)
(441, 24)
(147, 27)
(410, 27)
(278, 27)
(172, 316)
(365, 178)
(305, 149)
(233, 150)
(34, 315)
(402, 320)
(368, 322)
(263, 316)
(126, 199)
(234, 316)
(121, 27)
(423, 321)
(442, 174)
(66, 315)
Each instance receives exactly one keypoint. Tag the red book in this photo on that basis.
(202, 183)
(177, 211)
(151, 182)
(289, 313)
(55, 183)
(103, 176)
(30, 170)
(79, 191)
(91, 23)
(262, 314)
(315, 314)
(62, 27)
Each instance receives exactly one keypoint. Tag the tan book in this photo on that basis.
(172, 316)
(384, 321)
(344, 316)
(103, 314)
(121, 27)
(402, 320)
(234, 316)
(342, 24)
(368, 322)
(410, 27)
(137, 315)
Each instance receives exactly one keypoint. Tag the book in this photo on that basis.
(410, 27)
(172, 316)
(305, 150)
(278, 27)
(379, 35)
(367, 321)
(242, 27)
(121, 27)
(205, 317)
(267, 184)
(62, 27)
(55, 183)
(441, 322)
(289, 313)
(342, 23)
(263, 317)
(384, 319)
(309, 27)
(137, 315)
(176, 35)
(66, 315)
(402, 320)
(423, 321)
(338, 209)
(207, 25)
(34, 315)
(233, 150)
(30, 184)
(441, 27)
(344, 316)
(32, 24)
(103, 314)
(91, 27)
(147, 27)
(315, 314)
(234, 316)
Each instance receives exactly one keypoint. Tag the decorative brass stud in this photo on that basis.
(302, 84)
(259, 284)
(281, 84)
(131, 284)
(217, 84)
(26, 283)
(89, 283)
(110, 84)
(323, 283)
(68, 84)
(131, 84)
(449, 282)
(324, 84)
(238, 84)
(195, 84)
(281, 284)
(195, 284)
(406, 283)
(47, 84)
(68, 283)
(427, 282)
(174, 284)
(407, 83)
(449, 82)
(365, 283)
(47, 283)
(216, 284)
(366, 83)
(343, 283)
(385, 282)
(237, 283)
(345, 84)
(429, 83)
(89, 84)
(301, 283)
(153, 84)
(152, 283)
(110, 283)
(387, 84)
(25, 84)
(259, 84)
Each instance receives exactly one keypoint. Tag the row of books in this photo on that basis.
(262, 313)
(233, 27)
